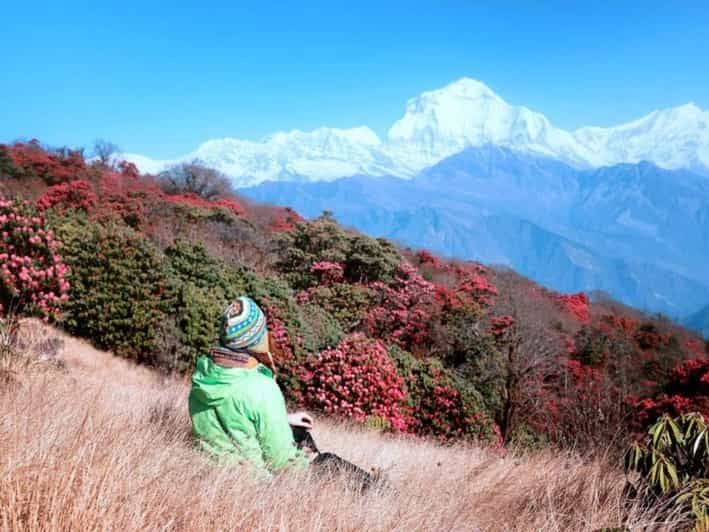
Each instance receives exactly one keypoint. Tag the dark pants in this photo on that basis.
(331, 465)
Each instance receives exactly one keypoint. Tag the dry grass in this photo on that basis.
(102, 445)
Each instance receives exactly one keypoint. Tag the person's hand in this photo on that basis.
(300, 419)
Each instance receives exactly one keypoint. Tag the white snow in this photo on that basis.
(440, 123)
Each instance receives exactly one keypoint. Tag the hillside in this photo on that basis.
(451, 350)
(114, 454)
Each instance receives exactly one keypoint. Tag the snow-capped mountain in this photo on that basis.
(320, 155)
(467, 113)
(671, 138)
(440, 123)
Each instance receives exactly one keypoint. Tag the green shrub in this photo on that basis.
(673, 462)
(200, 287)
(440, 403)
(118, 286)
(319, 330)
(363, 259)
(346, 303)
(370, 259)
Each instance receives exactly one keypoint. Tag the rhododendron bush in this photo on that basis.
(404, 310)
(285, 220)
(327, 272)
(32, 273)
(440, 405)
(357, 380)
(687, 390)
(347, 303)
(77, 194)
(31, 160)
(577, 306)
(118, 287)
(363, 259)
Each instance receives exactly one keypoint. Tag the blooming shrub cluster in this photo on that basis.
(327, 272)
(472, 284)
(687, 390)
(126, 197)
(193, 200)
(32, 273)
(648, 337)
(457, 285)
(77, 194)
(132, 198)
(30, 159)
(500, 324)
(357, 380)
(577, 305)
(404, 310)
(285, 220)
(426, 258)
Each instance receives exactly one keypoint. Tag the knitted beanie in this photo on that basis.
(242, 324)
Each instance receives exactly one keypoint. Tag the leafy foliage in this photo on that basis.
(674, 460)
(118, 284)
(199, 288)
(441, 404)
(363, 259)
(346, 303)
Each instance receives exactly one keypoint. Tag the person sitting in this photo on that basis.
(237, 409)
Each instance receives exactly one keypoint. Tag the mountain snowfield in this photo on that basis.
(440, 123)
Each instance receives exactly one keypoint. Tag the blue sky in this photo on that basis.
(159, 80)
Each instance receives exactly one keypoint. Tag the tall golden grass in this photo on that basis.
(102, 445)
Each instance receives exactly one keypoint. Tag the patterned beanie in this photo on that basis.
(242, 324)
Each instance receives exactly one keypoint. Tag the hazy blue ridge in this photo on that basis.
(699, 321)
(636, 231)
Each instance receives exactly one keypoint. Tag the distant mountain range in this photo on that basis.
(623, 209)
(638, 232)
(443, 122)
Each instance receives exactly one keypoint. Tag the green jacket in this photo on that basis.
(240, 413)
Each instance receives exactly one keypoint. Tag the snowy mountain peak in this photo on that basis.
(468, 113)
(464, 88)
(689, 109)
(439, 123)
